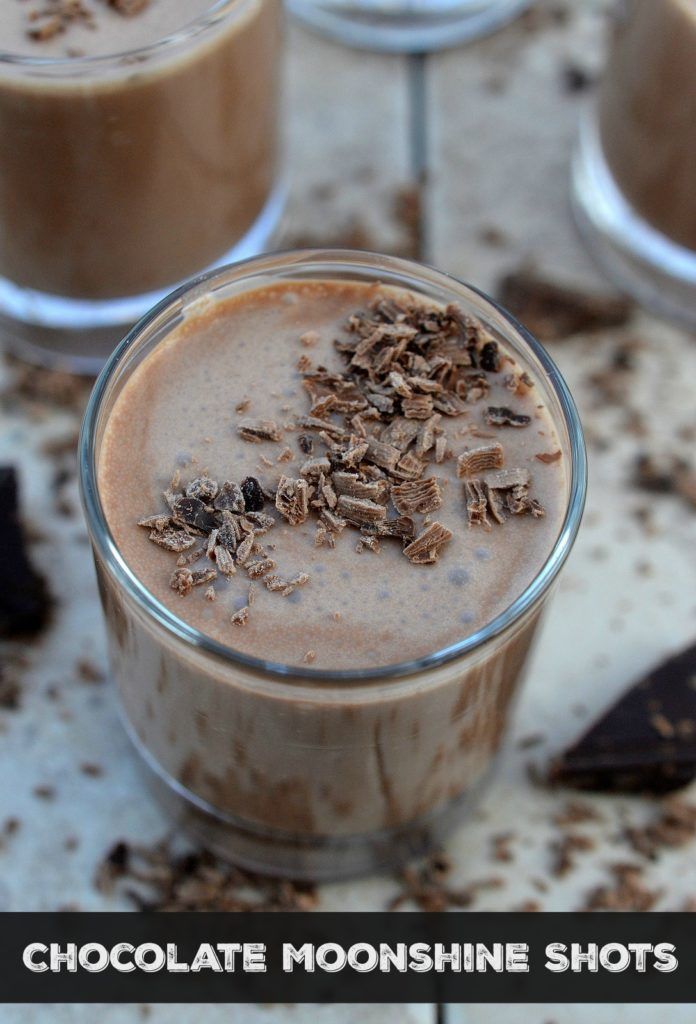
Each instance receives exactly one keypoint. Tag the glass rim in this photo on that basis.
(211, 16)
(345, 259)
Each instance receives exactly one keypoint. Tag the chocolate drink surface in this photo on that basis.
(125, 169)
(362, 478)
(648, 113)
(235, 393)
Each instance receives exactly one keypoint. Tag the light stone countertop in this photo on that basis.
(496, 140)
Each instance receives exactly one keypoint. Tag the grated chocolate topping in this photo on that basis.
(369, 436)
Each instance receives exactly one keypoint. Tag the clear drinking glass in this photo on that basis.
(406, 25)
(122, 175)
(634, 176)
(300, 771)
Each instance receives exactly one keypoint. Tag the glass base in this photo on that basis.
(406, 26)
(657, 272)
(78, 335)
(300, 857)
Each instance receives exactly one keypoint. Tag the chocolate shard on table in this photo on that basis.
(25, 602)
(646, 742)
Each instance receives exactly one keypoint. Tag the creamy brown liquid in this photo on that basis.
(126, 177)
(358, 611)
(648, 113)
(304, 758)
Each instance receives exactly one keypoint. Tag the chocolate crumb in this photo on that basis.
(548, 457)
(128, 8)
(241, 617)
(258, 430)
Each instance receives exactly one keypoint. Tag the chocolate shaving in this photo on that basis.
(421, 496)
(427, 546)
(476, 504)
(360, 510)
(478, 460)
(351, 485)
(315, 467)
(260, 521)
(400, 433)
(224, 561)
(385, 456)
(244, 549)
(255, 570)
(173, 540)
(203, 488)
(419, 407)
(508, 478)
(409, 467)
(258, 430)
(404, 527)
(158, 522)
(183, 580)
(501, 416)
(286, 587)
(292, 500)
(230, 498)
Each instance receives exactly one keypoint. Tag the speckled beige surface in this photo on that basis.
(500, 133)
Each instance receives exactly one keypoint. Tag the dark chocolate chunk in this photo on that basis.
(254, 499)
(25, 602)
(192, 512)
(646, 742)
(489, 358)
(306, 444)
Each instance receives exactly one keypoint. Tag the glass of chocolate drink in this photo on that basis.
(400, 26)
(327, 493)
(635, 168)
(139, 147)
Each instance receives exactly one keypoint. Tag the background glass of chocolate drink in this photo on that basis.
(400, 26)
(136, 152)
(634, 177)
(316, 772)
